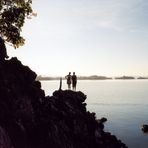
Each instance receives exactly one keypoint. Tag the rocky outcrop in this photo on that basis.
(144, 128)
(29, 119)
(5, 141)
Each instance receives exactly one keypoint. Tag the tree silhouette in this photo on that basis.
(12, 18)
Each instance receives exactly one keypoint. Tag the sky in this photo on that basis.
(89, 37)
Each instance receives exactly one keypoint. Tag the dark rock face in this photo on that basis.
(5, 141)
(145, 128)
(28, 119)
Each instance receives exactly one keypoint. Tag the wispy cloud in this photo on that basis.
(109, 24)
(122, 15)
(116, 15)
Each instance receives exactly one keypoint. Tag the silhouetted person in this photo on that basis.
(74, 81)
(68, 78)
(3, 51)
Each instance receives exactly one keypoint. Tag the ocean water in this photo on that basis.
(123, 102)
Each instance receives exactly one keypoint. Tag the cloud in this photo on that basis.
(121, 15)
(116, 15)
(109, 24)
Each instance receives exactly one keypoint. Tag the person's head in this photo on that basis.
(73, 73)
(69, 73)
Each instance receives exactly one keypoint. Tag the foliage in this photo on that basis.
(12, 18)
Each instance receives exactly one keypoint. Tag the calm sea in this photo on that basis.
(123, 102)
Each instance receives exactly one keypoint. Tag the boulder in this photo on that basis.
(144, 128)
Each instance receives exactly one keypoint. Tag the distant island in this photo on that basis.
(46, 78)
(92, 77)
(125, 77)
(142, 78)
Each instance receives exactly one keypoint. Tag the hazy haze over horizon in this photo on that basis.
(101, 37)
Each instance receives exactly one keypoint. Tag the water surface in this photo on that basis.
(123, 102)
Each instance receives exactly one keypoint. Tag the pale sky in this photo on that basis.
(101, 37)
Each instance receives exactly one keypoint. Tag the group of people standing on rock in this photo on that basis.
(71, 79)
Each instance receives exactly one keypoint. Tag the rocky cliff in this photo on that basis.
(29, 119)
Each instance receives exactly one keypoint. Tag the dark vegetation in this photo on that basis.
(12, 18)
